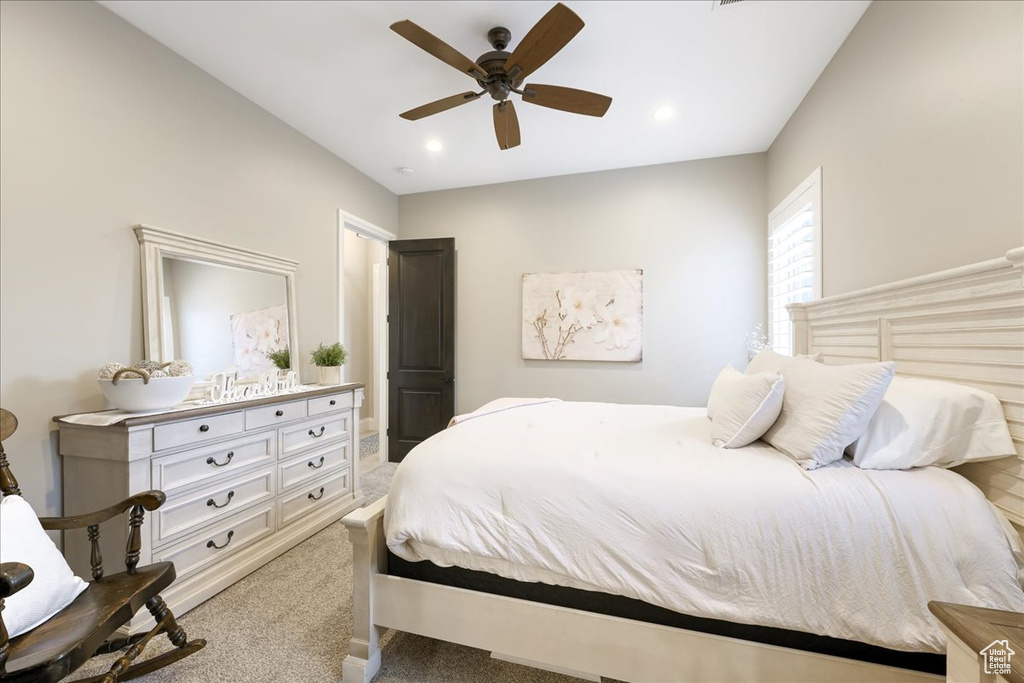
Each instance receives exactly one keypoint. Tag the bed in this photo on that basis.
(640, 514)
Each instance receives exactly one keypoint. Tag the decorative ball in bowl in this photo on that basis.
(136, 390)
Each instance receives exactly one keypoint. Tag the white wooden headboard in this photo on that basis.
(962, 325)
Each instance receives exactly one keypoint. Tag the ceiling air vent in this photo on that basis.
(723, 3)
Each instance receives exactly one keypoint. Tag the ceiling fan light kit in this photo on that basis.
(501, 74)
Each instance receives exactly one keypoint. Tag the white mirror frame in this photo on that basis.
(157, 243)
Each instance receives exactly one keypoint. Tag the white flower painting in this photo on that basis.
(254, 335)
(583, 316)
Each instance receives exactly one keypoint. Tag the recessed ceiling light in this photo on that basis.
(434, 145)
(664, 113)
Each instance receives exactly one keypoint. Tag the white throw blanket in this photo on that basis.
(499, 405)
(635, 501)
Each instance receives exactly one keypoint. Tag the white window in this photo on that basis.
(794, 258)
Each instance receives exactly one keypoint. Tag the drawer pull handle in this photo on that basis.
(211, 503)
(315, 435)
(312, 497)
(211, 461)
(316, 467)
(333, 402)
(211, 544)
(279, 413)
(204, 428)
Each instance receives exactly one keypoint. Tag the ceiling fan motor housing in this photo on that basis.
(498, 83)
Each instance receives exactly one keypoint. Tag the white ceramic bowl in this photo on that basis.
(135, 396)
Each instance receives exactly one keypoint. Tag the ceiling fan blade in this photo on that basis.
(427, 41)
(506, 125)
(549, 35)
(439, 106)
(567, 99)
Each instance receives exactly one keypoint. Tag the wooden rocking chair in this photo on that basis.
(65, 642)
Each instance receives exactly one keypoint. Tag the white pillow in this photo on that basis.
(826, 407)
(928, 422)
(767, 360)
(54, 586)
(743, 407)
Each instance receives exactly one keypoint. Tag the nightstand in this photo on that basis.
(980, 642)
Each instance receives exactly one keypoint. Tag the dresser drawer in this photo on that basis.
(327, 404)
(313, 433)
(189, 512)
(211, 464)
(312, 465)
(276, 414)
(227, 537)
(312, 496)
(199, 430)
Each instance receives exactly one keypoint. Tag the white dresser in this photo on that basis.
(244, 482)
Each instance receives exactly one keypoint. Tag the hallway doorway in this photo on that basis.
(362, 320)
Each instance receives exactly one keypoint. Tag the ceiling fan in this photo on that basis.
(501, 73)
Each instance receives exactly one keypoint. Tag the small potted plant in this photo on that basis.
(329, 360)
(282, 359)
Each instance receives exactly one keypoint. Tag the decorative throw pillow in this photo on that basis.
(743, 407)
(767, 360)
(54, 586)
(826, 408)
(928, 422)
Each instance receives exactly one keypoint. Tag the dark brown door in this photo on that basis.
(421, 329)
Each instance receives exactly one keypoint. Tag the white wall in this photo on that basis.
(697, 229)
(101, 128)
(357, 306)
(918, 125)
(360, 257)
(358, 318)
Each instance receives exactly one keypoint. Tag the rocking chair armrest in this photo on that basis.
(148, 500)
(13, 577)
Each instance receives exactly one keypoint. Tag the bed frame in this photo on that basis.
(963, 325)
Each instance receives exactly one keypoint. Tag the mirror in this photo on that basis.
(218, 317)
(215, 305)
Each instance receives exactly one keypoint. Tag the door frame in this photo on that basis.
(379, 312)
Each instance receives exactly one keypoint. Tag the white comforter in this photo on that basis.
(635, 501)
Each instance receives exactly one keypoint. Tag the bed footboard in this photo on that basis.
(559, 638)
(369, 557)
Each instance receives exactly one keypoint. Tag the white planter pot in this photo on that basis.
(330, 374)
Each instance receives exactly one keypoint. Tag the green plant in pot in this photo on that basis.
(329, 360)
(282, 359)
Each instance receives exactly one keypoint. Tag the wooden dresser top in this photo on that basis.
(172, 415)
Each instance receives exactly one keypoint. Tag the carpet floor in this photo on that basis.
(368, 445)
(291, 620)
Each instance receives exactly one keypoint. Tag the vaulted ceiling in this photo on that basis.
(732, 74)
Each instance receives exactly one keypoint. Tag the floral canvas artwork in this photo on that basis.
(583, 316)
(254, 335)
